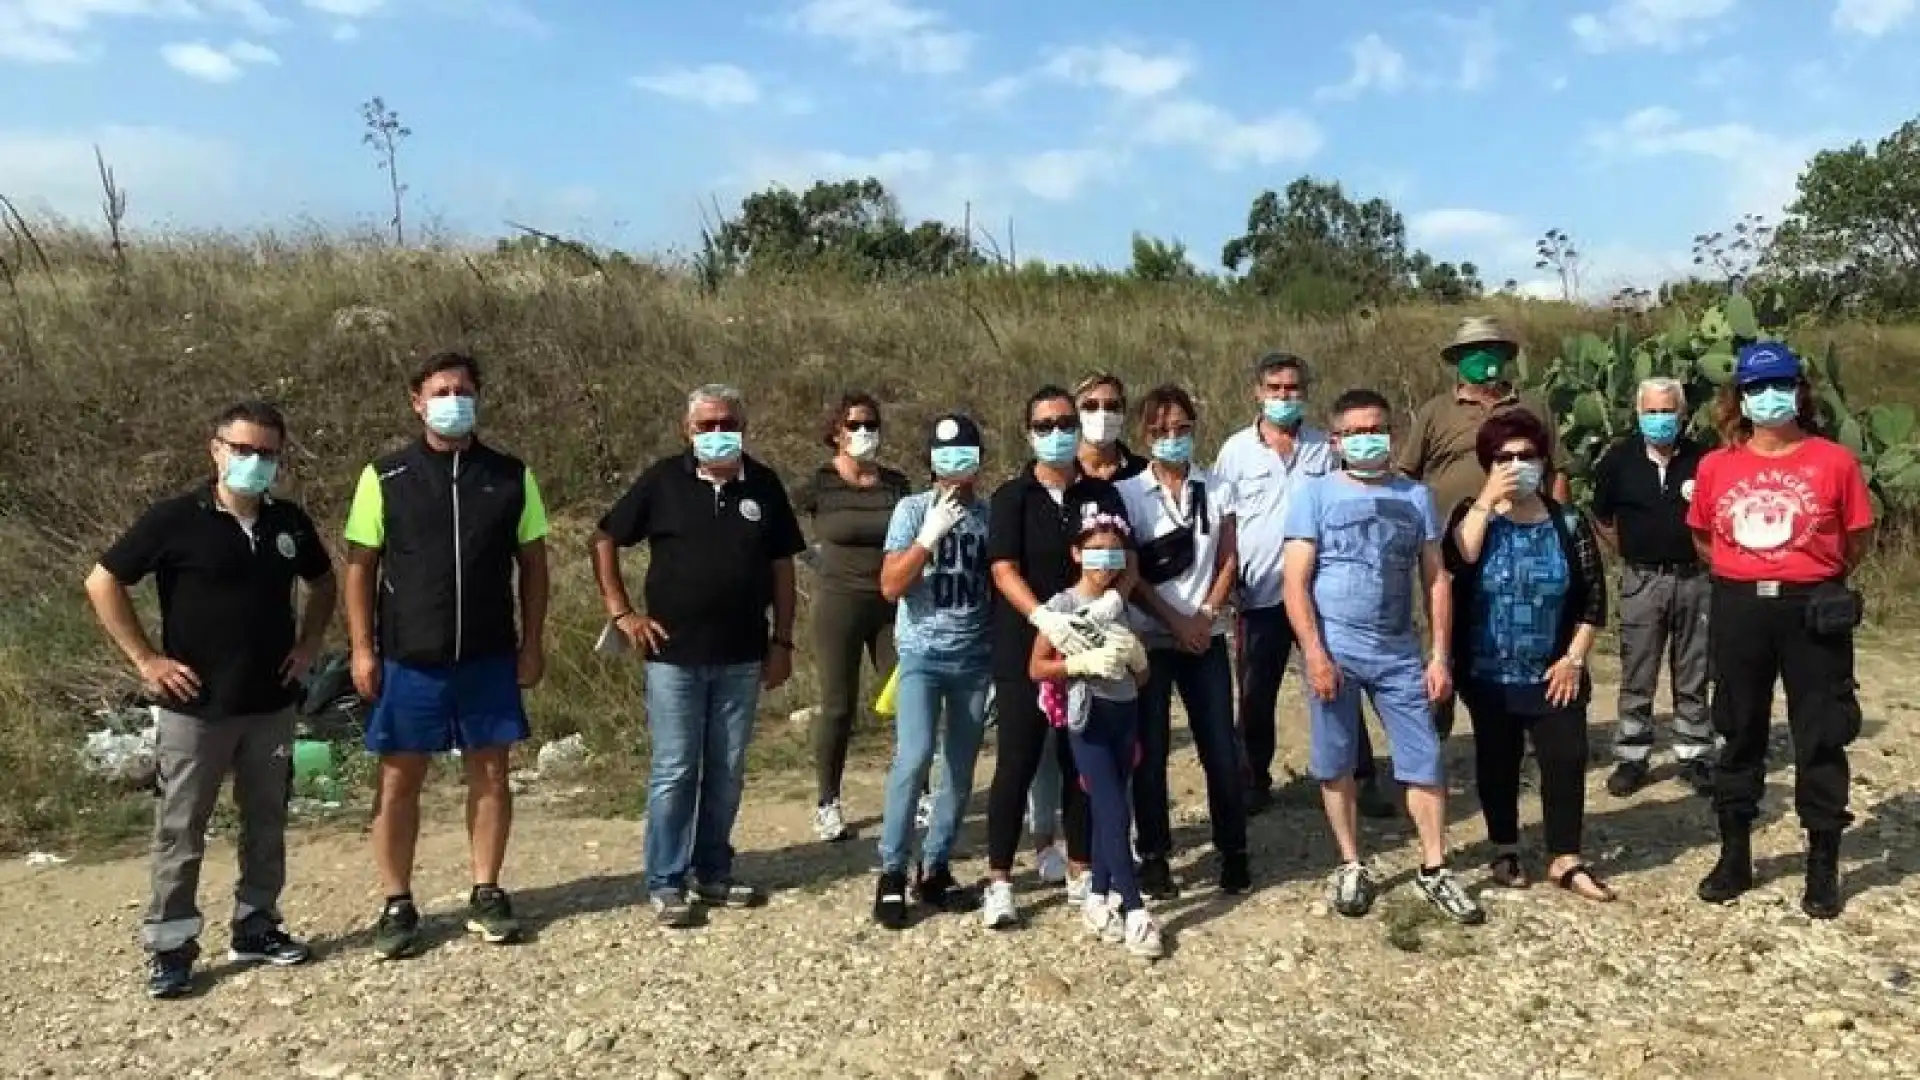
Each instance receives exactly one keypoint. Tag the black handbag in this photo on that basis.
(1164, 558)
(1834, 609)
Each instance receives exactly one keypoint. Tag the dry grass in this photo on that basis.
(109, 377)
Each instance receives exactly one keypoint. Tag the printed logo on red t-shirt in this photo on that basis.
(1770, 513)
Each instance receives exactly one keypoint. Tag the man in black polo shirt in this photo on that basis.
(1033, 519)
(224, 557)
(721, 536)
(1642, 486)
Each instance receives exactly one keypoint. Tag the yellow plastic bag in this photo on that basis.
(883, 705)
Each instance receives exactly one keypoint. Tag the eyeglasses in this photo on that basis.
(1515, 457)
(861, 425)
(245, 450)
(1100, 405)
(724, 423)
(1049, 425)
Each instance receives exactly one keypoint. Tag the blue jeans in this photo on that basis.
(927, 688)
(1205, 683)
(700, 720)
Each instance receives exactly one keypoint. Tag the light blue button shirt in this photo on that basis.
(1263, 482)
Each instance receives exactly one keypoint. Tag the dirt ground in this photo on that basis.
(1657, 985)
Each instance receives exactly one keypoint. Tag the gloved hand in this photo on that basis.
(1105, 662)
(1132, 652)
(945, 513)
(1061, 630)
(1107, 609)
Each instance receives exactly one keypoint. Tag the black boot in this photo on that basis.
(1822, 900)
(1733, 874)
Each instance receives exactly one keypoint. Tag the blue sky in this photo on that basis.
(1632, 124)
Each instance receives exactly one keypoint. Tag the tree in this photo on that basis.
(1855, 220)
(1161, 260)
(1736, 252)
(1555, 251)
(384, 134)
(1445, 282)
(851, 227)
(1314, 249)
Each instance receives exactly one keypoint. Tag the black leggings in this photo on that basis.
(1503, 719)
(1020, 742)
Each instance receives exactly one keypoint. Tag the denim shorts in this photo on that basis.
(471, 705)
(1397, 685)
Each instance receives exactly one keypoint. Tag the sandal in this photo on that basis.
(1507, 871)
(1599, 891)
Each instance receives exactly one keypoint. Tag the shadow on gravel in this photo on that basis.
(435, 930)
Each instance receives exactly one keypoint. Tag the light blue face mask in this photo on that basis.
(249, 474)
(952, 462)
(1285, 412)
(1527, 476)
(1660, 428)
(714, 447)
(1366, 453)
(1771, 407)
(1055, 447)
(450, 417)
(1103, 558)
(1173, 450)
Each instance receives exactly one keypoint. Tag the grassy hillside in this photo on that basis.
(110, 372)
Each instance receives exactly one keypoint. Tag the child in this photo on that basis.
(1093, 697)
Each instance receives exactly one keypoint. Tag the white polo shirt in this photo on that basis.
(1264, 480)
(1151, 513)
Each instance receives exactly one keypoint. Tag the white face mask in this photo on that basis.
(1101, 428)
(862, 445)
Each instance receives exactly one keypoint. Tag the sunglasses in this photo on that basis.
(861, 425)
(725, 423)
(1514, 457)
(245, 450)
(1068, 424)
(1770, 384)
(1099, 405)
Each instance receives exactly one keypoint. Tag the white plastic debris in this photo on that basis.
(124, 756)
(562, 756)
(44, 858)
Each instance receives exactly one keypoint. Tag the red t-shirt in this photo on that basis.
(1780, 518)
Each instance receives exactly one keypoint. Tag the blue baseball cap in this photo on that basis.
(1764, 361)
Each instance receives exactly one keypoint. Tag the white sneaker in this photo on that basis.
(1053, 865)
(996, 907)
(1077, 887)
(1143, 935)
(828, 824)
(1099, 915)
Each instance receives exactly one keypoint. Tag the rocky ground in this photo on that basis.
(1655, 985)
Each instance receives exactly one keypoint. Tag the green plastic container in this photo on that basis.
(312, 760)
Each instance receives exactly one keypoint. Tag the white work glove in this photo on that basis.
(1105, 610)
(945, 513)
(1131, 650)
(1063, 631)
(1105, 662)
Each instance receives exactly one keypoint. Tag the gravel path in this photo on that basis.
(1656, 985)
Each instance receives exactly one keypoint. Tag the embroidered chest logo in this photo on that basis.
(749, 509)
(284, 545)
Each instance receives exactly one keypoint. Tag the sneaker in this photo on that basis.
(1236, 876)
(272, 946)
(1374, 802)
(1445, 893)
(938, 889)
(890, 900)
(1052, 863)
(397, 934)
(828, 824)
(170, 973)
(1078, 885)
(1143, 935)
(1628, 777)
(1698, 775)
(671, 910)
(727, 894)
(1099, 914)
(1156, 879)
(997, 911)
(490, 915)
(923, 814)
(1351, 892)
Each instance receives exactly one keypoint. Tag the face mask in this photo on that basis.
(249, 474)
(1526, 477)
(1055, 447)
(450, 417)
(1282, 411)
(1480, 367)
(1101, 428)
(1660, 428)
(715, 447)
(1366, 454)
(953, 462)
(1103, 558)
(1771, 407)
(862, 445)
(1175, 450)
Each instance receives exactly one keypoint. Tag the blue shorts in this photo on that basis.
(1397, 686)
(472, 705)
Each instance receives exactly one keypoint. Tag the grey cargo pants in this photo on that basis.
(1663, 615)
(195, 757)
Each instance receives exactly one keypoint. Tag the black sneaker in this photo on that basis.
(271, 946)
(938, 889)
(1628, 777)
(1698, 775)
(397, 934)
(490, 915)
(1374, 803)
(170, 973)
(1235, 876)
(1156, 879)
(890, 900)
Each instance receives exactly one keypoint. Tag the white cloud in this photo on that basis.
(1873, 18)
(1119, 69)
(1480, 46)
(1761, 168)
(1455, 225)
(345, 32)
(715, 86)
(1059, 175)
(1376, 66)
(207, 63)
(345, 9)
(1230, 143)
(62, 31)
(914, 39)
(167, 173)
(1650, 24)
(951, 187)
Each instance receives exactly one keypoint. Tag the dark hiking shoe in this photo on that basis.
(1628, 777)
(170, 973)
(1822, 899)
(1156, 879)
(490, 915)
(1235, 876)
(397, 934)
(1698, 775)
(271, 946)
(890, 900)
(1732, 875)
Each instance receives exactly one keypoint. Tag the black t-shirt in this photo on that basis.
(1648, 512)
(1032, 530)
(710, 555)
(226, 594)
